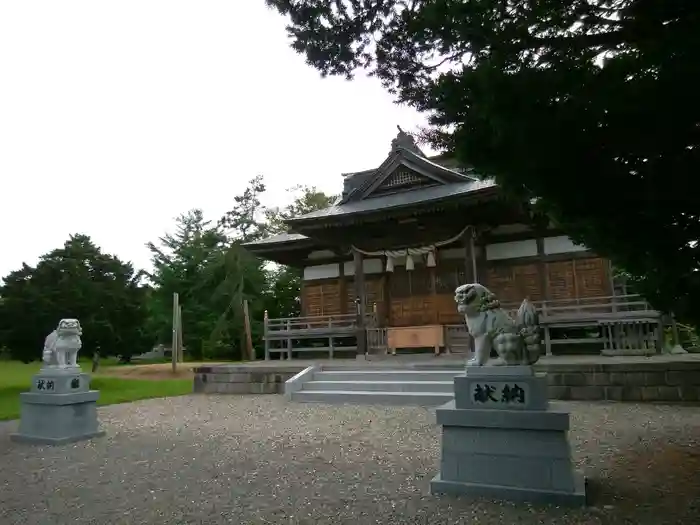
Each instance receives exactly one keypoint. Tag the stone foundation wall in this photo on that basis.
(243, 379)
(615, 381)
(679, 381)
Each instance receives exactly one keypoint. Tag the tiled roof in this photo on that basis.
(277, 239)
(400, 199)
(355, 186)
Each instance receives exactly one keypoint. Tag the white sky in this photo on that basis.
(115, 117)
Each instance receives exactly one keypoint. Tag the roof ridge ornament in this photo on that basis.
(406, 141)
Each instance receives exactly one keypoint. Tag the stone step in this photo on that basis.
(381, 386)
(386, 375)
(391, 363)
(360, 397)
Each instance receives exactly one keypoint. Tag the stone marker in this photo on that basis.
(60, 407)
(500, 438)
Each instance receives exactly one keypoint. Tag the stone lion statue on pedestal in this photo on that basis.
(517, 342)
(62, 345)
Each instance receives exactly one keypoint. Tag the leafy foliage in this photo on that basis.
(203, 262)
(183, 263)
(307, 199)
(283, 299)
(250, 220)
(586, 105)
(237, 277)
(213, 274)
(77, 280)
(244, 222)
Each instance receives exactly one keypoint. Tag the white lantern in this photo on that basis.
(430, 262)
(389, 263)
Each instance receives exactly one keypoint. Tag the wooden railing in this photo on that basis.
(323, 333)
(561, 319)
(329, 334)
(591, 309)
(303, 325)
(631, 337)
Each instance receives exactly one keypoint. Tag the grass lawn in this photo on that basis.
(16, 377)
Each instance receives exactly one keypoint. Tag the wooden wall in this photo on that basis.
(514, 282)
(579, 277)
(426, 295)
(337, 296)
(424, 309)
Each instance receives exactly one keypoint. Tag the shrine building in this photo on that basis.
(387, 257)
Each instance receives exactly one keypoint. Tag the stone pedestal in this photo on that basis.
(501, 440)
(60, 408)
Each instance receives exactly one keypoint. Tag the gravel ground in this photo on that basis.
(260, 460)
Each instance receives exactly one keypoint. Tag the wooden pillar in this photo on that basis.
(266, 337)
(469, 261)
(342, 288)
(302, 296)
(611, 283)
(575, 279)
(176, 299)
(543, 277)
(435, 316)
(479, 263)
(386, 288)
(471, 267)
(360, 302)
(541, 268)
(660, 335)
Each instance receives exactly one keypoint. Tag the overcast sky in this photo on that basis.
(115, 117)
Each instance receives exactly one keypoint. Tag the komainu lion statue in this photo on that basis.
(61, 346)
(516, 342)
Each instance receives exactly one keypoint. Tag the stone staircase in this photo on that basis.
(378, 386)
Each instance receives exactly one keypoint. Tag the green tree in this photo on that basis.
(306, 200)
(585, 105)
(183, 263)
(237, 276)
(245, 221)
(284, 282)
(283, 297)
(78, 281)
(212, 275)
(241, 276)
(279, 290)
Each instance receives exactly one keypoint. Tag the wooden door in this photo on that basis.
(412, 298)
(320, 298)
(374, 294)
(449, 274)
